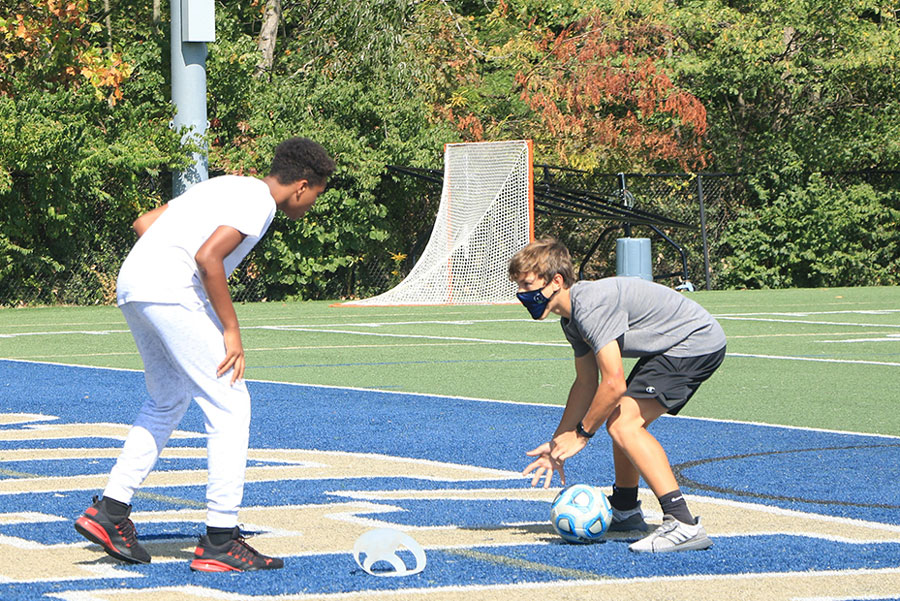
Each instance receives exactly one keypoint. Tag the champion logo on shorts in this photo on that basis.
(650, 390)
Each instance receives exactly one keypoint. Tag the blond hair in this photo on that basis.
(544, 258)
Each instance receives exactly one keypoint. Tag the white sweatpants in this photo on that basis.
(182, 348)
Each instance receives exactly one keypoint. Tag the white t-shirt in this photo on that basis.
(161, 266)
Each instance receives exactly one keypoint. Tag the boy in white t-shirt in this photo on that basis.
(173, 292)
(678, 345)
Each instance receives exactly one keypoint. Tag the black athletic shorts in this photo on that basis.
(671, 380)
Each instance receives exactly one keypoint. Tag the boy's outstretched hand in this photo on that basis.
(566, 444)
(551, 456)
(544, 466)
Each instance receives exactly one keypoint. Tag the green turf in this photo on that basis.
(481, 352)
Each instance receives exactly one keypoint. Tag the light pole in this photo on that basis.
(193, 25)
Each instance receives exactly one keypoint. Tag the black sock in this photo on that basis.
(219, 536)
(673, 504)
(116, 510)
(624, 498)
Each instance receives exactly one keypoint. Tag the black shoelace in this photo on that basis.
(243, 551)
(127, 531)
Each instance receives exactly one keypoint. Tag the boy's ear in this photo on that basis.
(301, 185)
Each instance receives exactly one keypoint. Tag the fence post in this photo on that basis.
(703, 228)
(623, 189)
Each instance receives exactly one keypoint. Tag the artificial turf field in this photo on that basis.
(418, 418)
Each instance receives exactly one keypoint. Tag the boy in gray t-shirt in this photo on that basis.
(678, 345)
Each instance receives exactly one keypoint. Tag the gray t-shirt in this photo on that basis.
(646, 318)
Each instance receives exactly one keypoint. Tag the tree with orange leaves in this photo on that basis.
(601, 92)
(46, 45)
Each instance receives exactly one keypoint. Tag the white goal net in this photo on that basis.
(486, 215)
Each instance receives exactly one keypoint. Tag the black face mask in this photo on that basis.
(535, 301)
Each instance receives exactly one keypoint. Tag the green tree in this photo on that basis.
(345, 74)
(795, 86)
(774, 89)
(81, 136)
(815, 234)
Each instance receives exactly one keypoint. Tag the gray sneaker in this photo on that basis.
(624, 520)
(673, 535)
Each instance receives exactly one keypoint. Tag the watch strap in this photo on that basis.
(579, 429)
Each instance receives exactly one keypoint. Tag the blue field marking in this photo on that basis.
(788, 470)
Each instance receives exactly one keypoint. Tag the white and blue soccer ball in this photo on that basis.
(581, 514)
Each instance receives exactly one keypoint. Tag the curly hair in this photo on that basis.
(301, 158)
(544, 258)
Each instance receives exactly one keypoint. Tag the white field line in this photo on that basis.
(810, 334)
(887, 338)
(294, 327)
(263, 349)
(465, 321)
(246, 320)
(811, 323)
(334, 329)
(814, 359)
(523, 343)
(475, 343)
(806, 313)
(478, 399)
(378, 324)
(66, 333)
(890, 337)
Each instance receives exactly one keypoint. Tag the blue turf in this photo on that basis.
(804, 470)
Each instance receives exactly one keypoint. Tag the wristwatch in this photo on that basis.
(579, 429)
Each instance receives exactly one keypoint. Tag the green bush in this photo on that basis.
(815, 235)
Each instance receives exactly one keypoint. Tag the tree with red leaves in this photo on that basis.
(601, 93)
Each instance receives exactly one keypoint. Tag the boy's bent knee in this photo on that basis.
(623, 428)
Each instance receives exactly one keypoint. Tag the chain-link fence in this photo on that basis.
(709, 202)
(705, 201)
(57, 247)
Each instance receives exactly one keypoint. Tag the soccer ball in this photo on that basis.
(581, 514)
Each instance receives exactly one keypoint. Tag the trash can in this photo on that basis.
(633, 258)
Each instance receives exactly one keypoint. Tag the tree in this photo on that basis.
(76, 135)
(48, 45)
(601, 91)
(816, 233)
(590, 82)
(268, 36)
(772, 88)
(347, 75)
(806, 85)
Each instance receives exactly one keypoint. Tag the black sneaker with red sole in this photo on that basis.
(118, 539)
(234, 556)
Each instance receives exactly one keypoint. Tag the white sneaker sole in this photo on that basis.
(697, 543)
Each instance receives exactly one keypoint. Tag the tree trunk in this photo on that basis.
(108, 10)
(157, 12)
(268, 35)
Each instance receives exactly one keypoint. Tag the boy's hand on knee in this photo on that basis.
(234, 356)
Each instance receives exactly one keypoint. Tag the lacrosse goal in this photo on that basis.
(486, 215)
